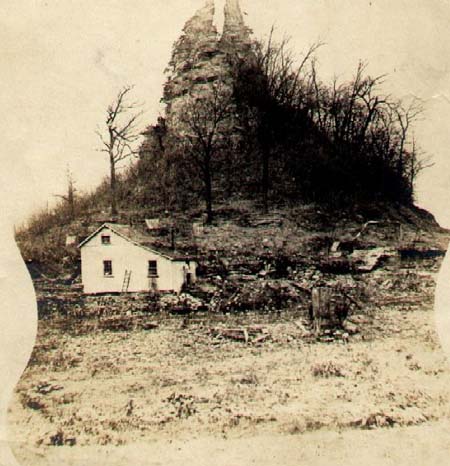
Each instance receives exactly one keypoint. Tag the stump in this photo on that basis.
(329, 308)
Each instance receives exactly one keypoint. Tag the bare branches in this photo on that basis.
(360, 130)
(205, 120)
(204, 117)
(122, 127)
(370, 128)
(120, 105)
(284, 79)
(405, 117)
(120, 134)
(69, 198)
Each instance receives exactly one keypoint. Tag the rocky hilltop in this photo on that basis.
(201, 56)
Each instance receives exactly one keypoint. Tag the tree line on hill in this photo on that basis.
(272, 132)
(279, 133)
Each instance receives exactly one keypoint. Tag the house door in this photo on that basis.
(153, 283)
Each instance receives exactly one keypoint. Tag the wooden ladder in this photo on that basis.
(126, 281)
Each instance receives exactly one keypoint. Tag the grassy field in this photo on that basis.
(181, 381)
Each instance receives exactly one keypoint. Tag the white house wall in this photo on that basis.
(126, 255)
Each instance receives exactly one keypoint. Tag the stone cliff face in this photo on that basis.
(201, 57)
(236, 36)
(194, 54)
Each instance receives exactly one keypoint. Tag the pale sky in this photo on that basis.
(63, 61)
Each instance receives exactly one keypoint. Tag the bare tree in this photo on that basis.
(417, 162)
(120, 136)
(405, 118)
(369, 130)
(69, 197)
(272, 84)
(204, 134)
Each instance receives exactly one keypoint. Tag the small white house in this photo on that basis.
(118, 258)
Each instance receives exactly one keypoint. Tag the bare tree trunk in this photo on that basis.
(71, 202)
(229, 175)
(208, 191)
(265, 179)
(113, 186)
(69, 198)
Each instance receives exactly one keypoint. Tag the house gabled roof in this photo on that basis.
(137, 238)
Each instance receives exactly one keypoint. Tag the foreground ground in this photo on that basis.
(178, 390)
(421, 445)
(184, 394)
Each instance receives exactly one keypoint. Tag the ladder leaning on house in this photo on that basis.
(126, 281)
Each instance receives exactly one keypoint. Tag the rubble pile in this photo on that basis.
(256, 329)
(181, 304)
(57, 297)
(96, 306)
(264, 296)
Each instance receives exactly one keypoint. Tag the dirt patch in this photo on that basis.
(384, 447)
(179, 380)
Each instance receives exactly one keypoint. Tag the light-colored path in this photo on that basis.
(427, 445)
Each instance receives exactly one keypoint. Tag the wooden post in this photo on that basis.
(330, 306)
(320, 306)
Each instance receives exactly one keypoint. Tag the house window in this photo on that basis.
(106, 239)
(107, 268)
(152, 269)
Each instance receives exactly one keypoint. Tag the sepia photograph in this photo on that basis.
(223, 227)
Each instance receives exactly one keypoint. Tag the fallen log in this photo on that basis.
(149, 325)
(237, 334)
(261, 339)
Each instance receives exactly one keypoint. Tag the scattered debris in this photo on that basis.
(198, 229)
(46, 388)
(60, 438)
(373, 421)
(253, 334)
(33, 403)
(181, 304)
(71, 240)
(184, 405)
(391, 230)
(335, 246)
(368, 260)
(327, 369)
(125, 323)
(268, 220)
(350, 327)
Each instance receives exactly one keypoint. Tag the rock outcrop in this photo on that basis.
(236, 36)
(201, 57)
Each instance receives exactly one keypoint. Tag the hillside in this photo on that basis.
(251, 260)
(251, 366)
(288, 228)
(247, 135)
